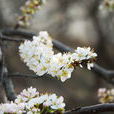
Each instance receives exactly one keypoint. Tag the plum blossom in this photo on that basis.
(106, 95)
(12, 108)
(28, 10)
(39, 56)
(107, 5)
(31, 102)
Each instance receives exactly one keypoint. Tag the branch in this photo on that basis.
(103, 73)
(6, 38)
(58, 45)
(12, 32)
(108, 107)
(8, 86)
(18, 74)
(108, 75)
(6, 81)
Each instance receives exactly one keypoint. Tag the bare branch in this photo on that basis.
(13, 32)
(62, 47)
(58, 45)
(6, 81)
(108, 107)
(2, 37)
(18, 74)
(8, 86)
(107, 75)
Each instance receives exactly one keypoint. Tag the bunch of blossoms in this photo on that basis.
(28, 10)
(107, 4)
(39, 57)
(36, 54)
(105, 95)
(62, 65)
(31, 102)
(12, 108)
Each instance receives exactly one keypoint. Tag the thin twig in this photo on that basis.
(18, 74)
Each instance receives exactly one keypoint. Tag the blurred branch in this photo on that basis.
(8, 86)
(2, 37)
(108, 75)
(108, 107)
(13, 32)
(18, 74)
(6, 81)
(5, 33)
(102, 38)
(103, 73)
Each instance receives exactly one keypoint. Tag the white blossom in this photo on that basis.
(25, 95)
(60, 66)
(83, 54)
(30, 101)
(39, 56)
(106, 95)
(55, 102)
(36, 54)
(107, 5)
(90, 65)
(12, 108)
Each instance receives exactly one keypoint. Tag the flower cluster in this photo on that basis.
(12, 108)
(37, 53)
(106, 95)
(107, 4)
(28, 10)
(31, 102)
(39, 56)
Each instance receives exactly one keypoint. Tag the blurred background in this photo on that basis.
(74, 23)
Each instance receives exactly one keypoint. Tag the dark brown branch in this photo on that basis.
(8, 86)
(58, 45)
(108, 107)
(107, 75)
(6, 81)
(6, 38)
(18, 74)
(25, 75)
(62, 47)
(12, 32)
